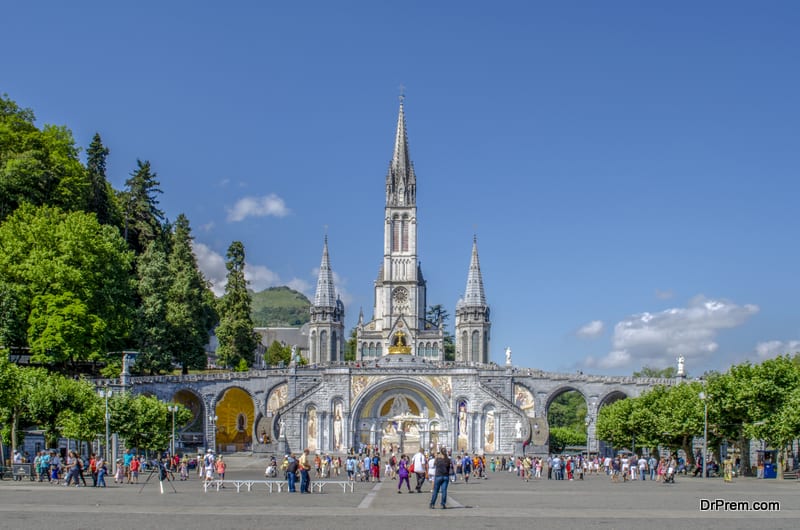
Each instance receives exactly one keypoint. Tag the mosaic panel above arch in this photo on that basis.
(523, 398)
(278, 397)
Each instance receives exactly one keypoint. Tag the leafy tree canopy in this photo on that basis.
(70, 281)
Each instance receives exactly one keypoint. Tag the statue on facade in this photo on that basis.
(281, 429)
(518, 430)
(399, 406)
(508, 356)
(337, 426)
(462, 420)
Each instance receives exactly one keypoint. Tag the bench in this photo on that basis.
(271, 484)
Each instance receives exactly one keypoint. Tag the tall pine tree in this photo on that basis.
(100, 192)
(143, 221)
(152, 329)
(237, 340)
(190, 313)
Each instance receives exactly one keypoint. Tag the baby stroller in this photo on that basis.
(669, 476)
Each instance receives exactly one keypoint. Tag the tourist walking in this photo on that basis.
(418, 465)
(291, 472)
(402, 473)
(102, 471)
(441, 478)
(305, 469)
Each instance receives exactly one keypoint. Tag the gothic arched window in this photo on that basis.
(323, 346)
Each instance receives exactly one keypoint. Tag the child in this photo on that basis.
(119, 473)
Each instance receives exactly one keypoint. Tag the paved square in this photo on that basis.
(501, 501)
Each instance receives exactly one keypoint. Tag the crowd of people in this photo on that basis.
(73, 469)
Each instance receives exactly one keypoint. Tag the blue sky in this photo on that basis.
(630, 168)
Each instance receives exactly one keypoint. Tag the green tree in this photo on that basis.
(38, 167)
(568, 410)
(562, 437)
(237, 340)
(71, 280)
(670, 372)
(615, 423)
(13, 392)
(437, 315)
(144, 421)
(52, 397)
(351, 346)
(12, 318)
(86, 424)
(101, 195)
(278, 353)
(190, 315)
(143, 220)
(152, 328)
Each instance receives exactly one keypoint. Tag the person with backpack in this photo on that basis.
(376, 467)
(291, 472)
(466, 468)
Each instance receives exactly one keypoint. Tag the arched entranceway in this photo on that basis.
(235, 416)
(568, 421)
(190, 434)
(400, 417)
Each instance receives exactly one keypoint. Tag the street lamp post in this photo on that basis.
(105, 393)
(587, 421)
(704, 397)
(213, 420)
(173, 409)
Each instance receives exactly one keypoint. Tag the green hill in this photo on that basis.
(279, 306)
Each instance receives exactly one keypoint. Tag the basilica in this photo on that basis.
(399, 394)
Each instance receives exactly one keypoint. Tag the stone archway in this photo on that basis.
(573, 415)
(235, 413)
(190, 434)
(401, 415)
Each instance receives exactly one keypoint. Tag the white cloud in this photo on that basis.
(773, 348)
(301, 286)
(592, 329)
(259, 277)
(664, 295)
(258, 207)
(212, 265)
(656, 339)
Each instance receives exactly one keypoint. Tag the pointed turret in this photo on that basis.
(401, 182)
(474, 295)
(473, 326)
(326, 328)
(326, 293)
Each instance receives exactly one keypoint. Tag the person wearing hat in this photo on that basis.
(17, 460)
(208, 464)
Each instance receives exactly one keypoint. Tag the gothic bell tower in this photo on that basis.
(399, 325)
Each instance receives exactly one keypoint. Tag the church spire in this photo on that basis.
(474, 296)
(401, 182)
(326, 293)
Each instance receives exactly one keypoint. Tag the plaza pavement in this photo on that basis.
(502, 501)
